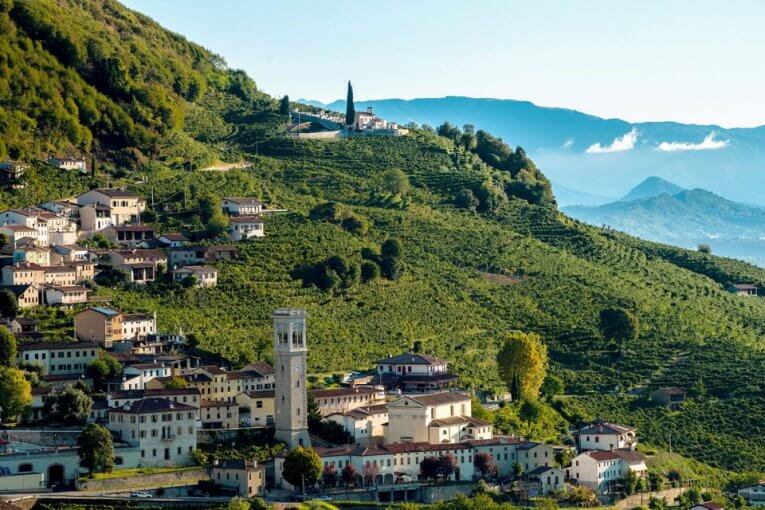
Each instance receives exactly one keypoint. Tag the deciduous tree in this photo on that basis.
(15, 392)
(8, 348)
(302, 465)
(525, 356)
(96, 451)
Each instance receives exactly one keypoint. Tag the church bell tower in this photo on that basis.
(290, 352)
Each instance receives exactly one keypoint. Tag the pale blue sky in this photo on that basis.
(690, 61)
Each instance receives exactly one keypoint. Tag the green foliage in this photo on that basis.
(90, 75)
(523, 356)
(370, 271)
(96, 451)
(552, 386)
(302, 465)
(175, 383)
(9, 305)
(70, 407)
(720, 433)
(8, 349)
(530, 411)
(466, 199)
(619, 324)
(15, 392)
(350, 107)
(237, 503)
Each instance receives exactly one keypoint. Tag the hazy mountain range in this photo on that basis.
(588, 157)
(662, 211)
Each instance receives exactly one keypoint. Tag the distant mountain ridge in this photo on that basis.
(726, 161)
(657, 211)
(651, 187)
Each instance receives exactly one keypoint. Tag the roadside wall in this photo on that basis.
(151, 481)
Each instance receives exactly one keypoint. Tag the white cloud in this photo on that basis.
(625, 142)
(567, 144)
(709, 143)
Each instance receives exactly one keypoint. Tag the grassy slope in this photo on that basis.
(570, 271)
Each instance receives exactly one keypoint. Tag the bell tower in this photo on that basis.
(290, 351)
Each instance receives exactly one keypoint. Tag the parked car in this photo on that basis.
(140, 494)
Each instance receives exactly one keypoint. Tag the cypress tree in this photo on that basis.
(350, 108)
(515, 388)
(284, 106)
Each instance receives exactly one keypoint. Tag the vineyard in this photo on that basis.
(729, 434)
(470, 272)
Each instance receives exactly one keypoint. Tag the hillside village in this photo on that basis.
(393, 434)
(396, 419)
(396, 429)
(211, 297)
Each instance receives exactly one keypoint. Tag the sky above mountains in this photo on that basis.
(687, 61)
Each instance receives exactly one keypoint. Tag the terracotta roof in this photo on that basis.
(175, 237)
(56, 346)
(19, 228)
(366, 411)
(260, 367)
(69, 288)
(213, 369)
(411, 358)
(262, 394)
(603, 427)
(631, 456)
(133, 228)
(217, 403)
(434, 399)
(448, 421)
(247, 465)
(602, 455)
(152, 405)
(144, 366)
(342, 392)
(154, 392)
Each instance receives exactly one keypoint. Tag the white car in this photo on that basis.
(140, 494)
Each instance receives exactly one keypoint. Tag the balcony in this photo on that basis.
(168, 437)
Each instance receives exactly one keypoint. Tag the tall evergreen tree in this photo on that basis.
(284, 106)
(350, 108)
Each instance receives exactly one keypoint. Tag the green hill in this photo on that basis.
(505, 259)
(686, 218)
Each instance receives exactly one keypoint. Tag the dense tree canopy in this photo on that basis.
(302, 465)
(523, 356)
(96, 451)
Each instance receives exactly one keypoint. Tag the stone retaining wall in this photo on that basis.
(143, 482)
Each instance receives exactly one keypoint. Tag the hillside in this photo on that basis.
(574, 147)
(685, 218)
(651, 187)
(560, 273)
(82, 77)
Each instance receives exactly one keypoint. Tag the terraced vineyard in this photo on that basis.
(563, 273)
